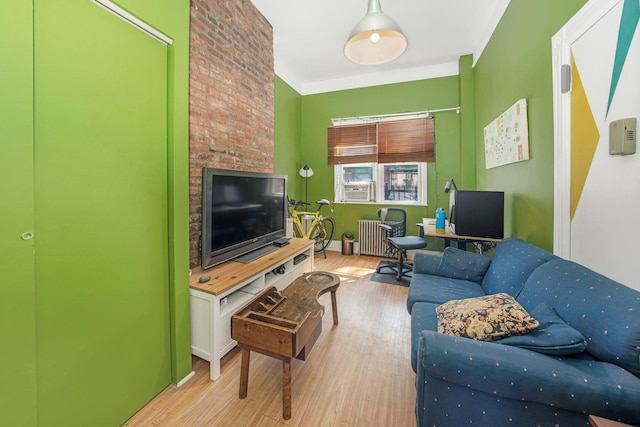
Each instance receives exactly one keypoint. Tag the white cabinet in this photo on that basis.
(232, 285)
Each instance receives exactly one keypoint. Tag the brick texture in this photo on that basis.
(231, 92)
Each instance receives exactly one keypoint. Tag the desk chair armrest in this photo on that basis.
(385, 227)
(421, 228)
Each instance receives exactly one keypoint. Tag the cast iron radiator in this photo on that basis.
(371, 237)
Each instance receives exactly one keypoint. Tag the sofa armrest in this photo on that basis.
(426, 262)
(574, 384)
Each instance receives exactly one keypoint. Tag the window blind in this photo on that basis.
(410, 140)
(406, 140)
(352, 144)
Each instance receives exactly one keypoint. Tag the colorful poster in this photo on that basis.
(506, 139)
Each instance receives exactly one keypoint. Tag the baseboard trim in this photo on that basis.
(335, 246)
(185, 379)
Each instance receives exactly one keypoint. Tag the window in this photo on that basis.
(382, 162)
(400, 182)
(390, 183)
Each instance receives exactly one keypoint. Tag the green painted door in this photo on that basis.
(17, 284)
(101, 267)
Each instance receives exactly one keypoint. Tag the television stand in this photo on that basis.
(255, 254)
(231, 287)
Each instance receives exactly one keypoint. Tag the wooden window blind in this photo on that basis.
(352, 144)
(397, 141)
(406, 141)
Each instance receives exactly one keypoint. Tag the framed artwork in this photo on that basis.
(506, 139)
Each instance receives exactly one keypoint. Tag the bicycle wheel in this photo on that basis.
(322, 233)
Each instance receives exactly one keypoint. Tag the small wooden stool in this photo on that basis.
(283, 326)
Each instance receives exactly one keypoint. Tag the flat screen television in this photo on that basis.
(477, 213)
(241, 212)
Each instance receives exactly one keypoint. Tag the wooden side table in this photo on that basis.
(283, 326)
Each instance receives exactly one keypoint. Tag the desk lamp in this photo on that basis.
(447, 186)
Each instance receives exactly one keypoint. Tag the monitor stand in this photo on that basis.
(253, 255)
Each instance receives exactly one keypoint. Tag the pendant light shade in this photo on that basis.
(376, 39)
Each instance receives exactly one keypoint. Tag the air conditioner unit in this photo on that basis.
(358, 192)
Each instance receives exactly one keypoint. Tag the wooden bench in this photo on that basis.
(283, 326)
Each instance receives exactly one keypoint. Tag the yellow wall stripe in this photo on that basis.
(584, 137)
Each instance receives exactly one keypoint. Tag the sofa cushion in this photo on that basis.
(603, 310)
(553, 336)
(438, 289)
(513, 262)
(426, 262)
(486, 318)
(459, 264)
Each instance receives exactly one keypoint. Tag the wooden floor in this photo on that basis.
(358, 374)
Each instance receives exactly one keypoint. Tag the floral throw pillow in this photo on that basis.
(486, 318)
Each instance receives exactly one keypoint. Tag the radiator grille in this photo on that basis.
(371, 237)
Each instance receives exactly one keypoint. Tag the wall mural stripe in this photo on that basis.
(584, 137)
(628, 24)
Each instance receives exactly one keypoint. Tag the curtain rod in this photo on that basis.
(396, 115)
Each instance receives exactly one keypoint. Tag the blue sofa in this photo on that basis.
(583, 359)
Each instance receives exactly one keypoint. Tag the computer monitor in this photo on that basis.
(477, 213)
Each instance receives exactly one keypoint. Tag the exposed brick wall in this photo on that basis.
(231, 96)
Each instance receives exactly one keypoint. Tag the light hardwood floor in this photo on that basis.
(358, 373)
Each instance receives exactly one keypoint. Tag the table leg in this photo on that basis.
(334, 307)
(286, 389)
(244, 372)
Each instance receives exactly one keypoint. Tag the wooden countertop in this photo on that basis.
(429, 227)
(230, 273)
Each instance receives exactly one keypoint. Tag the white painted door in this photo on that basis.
(597, 194)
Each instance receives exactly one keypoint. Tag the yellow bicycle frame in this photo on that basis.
(297, 223)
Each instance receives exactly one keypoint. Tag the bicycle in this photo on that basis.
(321, 228)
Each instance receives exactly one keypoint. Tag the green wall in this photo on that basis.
(467, 178)
(515, 64)
(287, 130)
(19, 404)
(17, 275)
(172, 18)
(319, 109)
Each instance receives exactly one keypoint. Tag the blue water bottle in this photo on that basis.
(440, 220)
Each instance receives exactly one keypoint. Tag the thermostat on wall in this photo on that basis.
(622, 136)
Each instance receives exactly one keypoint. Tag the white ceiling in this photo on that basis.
(309, 37)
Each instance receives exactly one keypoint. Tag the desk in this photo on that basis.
(482, 243)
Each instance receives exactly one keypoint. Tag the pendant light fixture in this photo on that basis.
(376, 39)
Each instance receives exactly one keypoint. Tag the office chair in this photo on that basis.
(394, 223)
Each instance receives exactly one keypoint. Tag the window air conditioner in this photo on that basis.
(358, 192)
